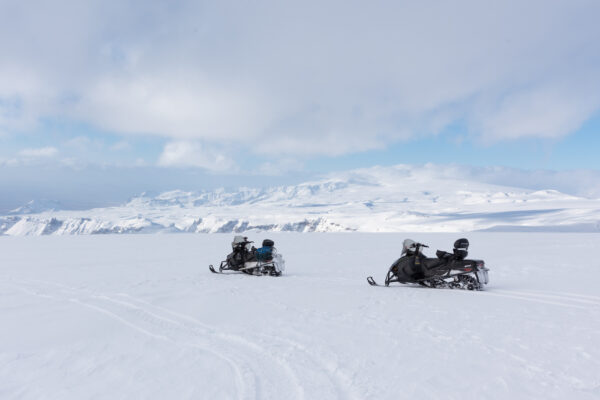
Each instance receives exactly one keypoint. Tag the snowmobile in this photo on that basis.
(446, 270)
(247, 259)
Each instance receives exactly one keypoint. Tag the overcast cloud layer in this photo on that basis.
(303, 77)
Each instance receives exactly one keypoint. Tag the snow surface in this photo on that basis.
(141, 317)
(379, 199)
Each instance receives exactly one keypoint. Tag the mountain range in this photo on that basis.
(400, 198)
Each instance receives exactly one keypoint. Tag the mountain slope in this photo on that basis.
(378, 199)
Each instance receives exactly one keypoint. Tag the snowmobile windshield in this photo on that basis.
(241, 242)
(409, 246)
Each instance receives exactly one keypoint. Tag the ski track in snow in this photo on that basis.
(571, 300)
(160, 323)
(312, 362)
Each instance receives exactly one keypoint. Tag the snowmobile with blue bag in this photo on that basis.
(446, 270)
(247, 259)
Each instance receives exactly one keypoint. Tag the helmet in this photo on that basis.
(408, 245)
(268, 243)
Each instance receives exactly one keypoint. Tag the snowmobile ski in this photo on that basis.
(372, 281)
(213, 270)
(230, 272)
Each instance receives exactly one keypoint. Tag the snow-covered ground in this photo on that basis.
(141, 317)
(400, 198)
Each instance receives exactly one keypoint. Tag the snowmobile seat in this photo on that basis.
(443, 255)
(431, 263)
(240, 255)
(235, 260)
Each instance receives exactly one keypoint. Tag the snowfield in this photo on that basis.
(141, 317)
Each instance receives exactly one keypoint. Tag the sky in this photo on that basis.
(131, 96)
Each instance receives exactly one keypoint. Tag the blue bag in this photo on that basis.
(264, 253)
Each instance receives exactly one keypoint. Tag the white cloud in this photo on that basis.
(84, 144)
(545, 112)
(277, 167)
(192, 154)
(121, 145)
(309, 77)
(173, 106)
(580, 182)
(42, 152)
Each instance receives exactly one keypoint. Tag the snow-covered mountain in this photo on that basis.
(37, 206)
(378, 199)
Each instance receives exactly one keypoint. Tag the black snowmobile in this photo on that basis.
(447, 270)
(250, 260)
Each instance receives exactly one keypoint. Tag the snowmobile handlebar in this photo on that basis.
(244, 243)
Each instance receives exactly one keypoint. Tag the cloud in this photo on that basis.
(306, 77)
(277, 167)
(121, 145)
(579, 182)
(545, 112)
(173, 106)
(42, 152)
(192, 154)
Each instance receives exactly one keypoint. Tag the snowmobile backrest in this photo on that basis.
(461, 244)
(460, 248)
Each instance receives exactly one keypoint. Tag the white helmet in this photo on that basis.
(408, 245)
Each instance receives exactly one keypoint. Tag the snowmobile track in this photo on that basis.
(319, 367)
(247, 377)
(569, 300)
(280, 358)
